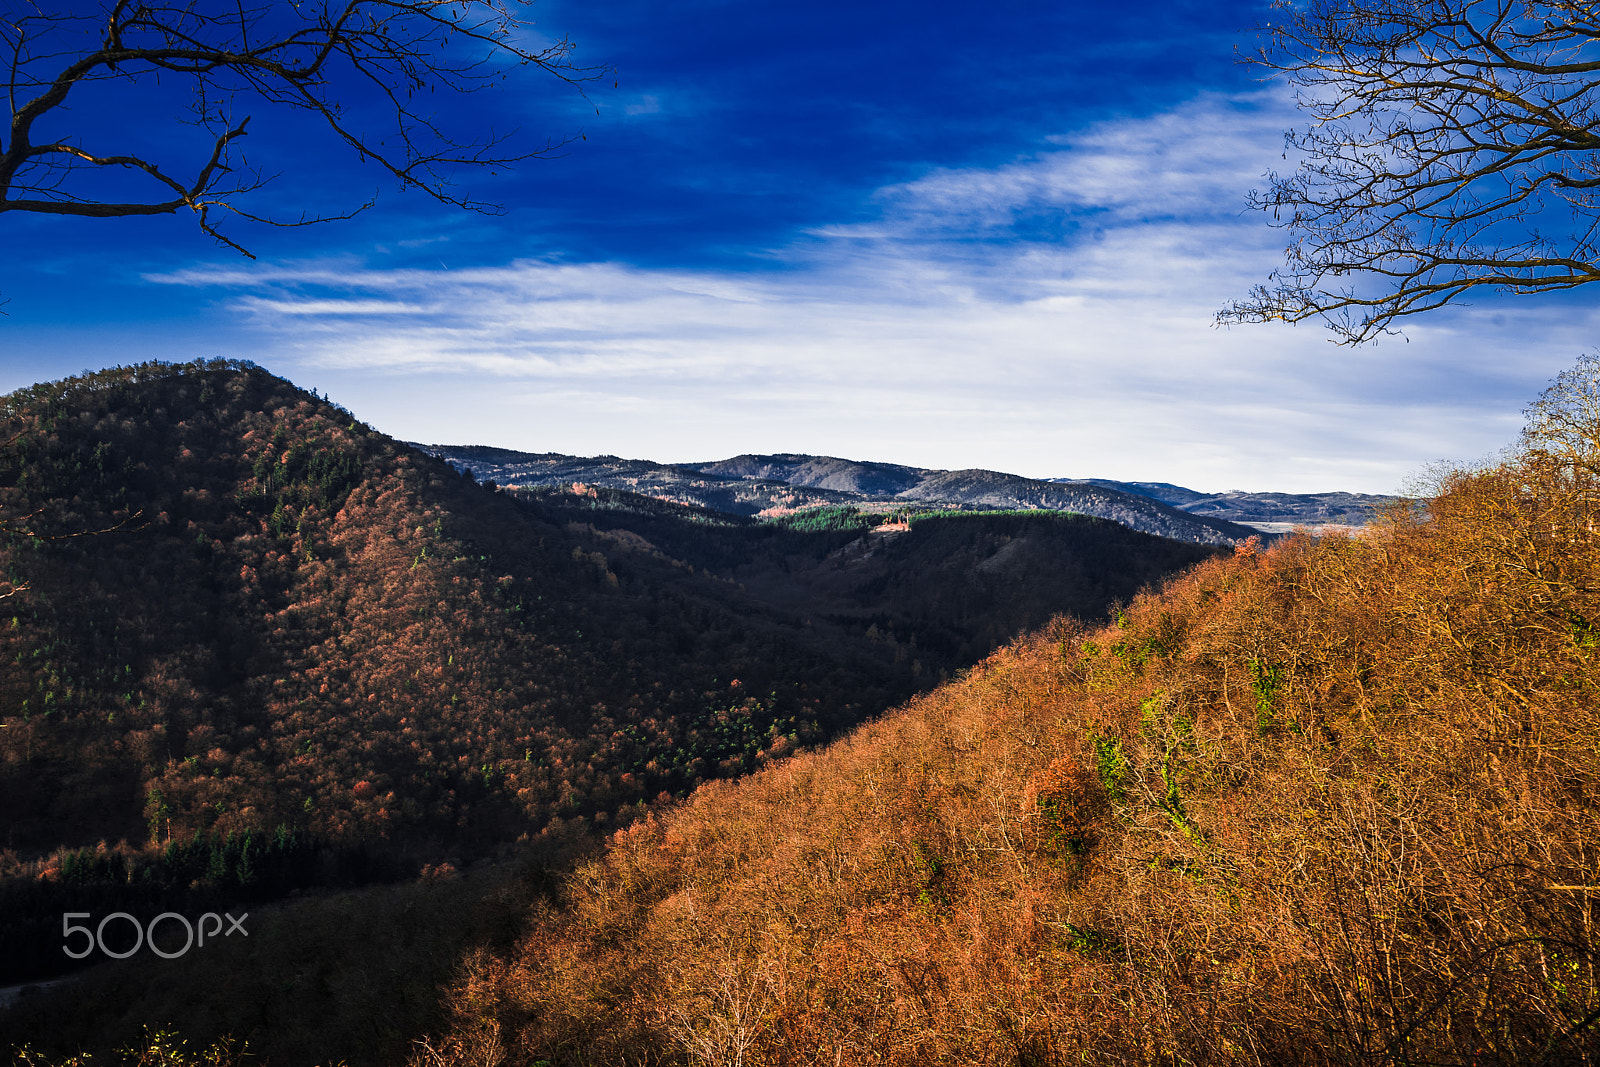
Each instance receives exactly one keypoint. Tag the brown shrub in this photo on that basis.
(1062, 805)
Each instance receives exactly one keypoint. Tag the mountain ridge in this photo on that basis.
(754, 484)
(876, 479)
(1237, 505)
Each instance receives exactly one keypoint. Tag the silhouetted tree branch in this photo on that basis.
(316, 56)
(1452, 144)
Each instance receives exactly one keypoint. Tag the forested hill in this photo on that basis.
(250, 646)
(1334, 803)
(775, 484)
(938, 590)
(232, 605)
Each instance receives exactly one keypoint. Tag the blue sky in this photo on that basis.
(926, 233)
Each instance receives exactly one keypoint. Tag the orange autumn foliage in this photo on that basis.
(1333, 802)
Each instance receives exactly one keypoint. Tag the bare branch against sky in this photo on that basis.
(1450, 147)
(315, 59)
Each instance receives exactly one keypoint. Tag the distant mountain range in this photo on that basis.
(776, 484)
(1344, 509)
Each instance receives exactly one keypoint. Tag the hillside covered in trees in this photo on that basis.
(933, 588)
(1310, 509)
(1333, 803)
(248, 645)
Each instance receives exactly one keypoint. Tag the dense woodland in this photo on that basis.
(940, 591)
(242, 626)
(1332, 802)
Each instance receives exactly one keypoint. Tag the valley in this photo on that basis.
(532, 759)
(257, 649)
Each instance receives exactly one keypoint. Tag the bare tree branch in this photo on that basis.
(1452, 145)
(314, 56)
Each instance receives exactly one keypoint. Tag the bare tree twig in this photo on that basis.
(1452, 145)
(314, 56)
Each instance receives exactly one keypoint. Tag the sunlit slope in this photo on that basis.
(1333, 803)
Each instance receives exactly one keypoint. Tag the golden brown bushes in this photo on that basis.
(1335, 802)
(1062, 806)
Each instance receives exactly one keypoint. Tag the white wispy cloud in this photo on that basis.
(1174, 165)
(1048, 316)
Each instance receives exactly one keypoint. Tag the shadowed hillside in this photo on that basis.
(231, 608)
(820, 472)
(289, 618)
(939, 590)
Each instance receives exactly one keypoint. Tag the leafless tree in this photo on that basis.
(1452, 145)
(370, 70)
(1564, 423)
